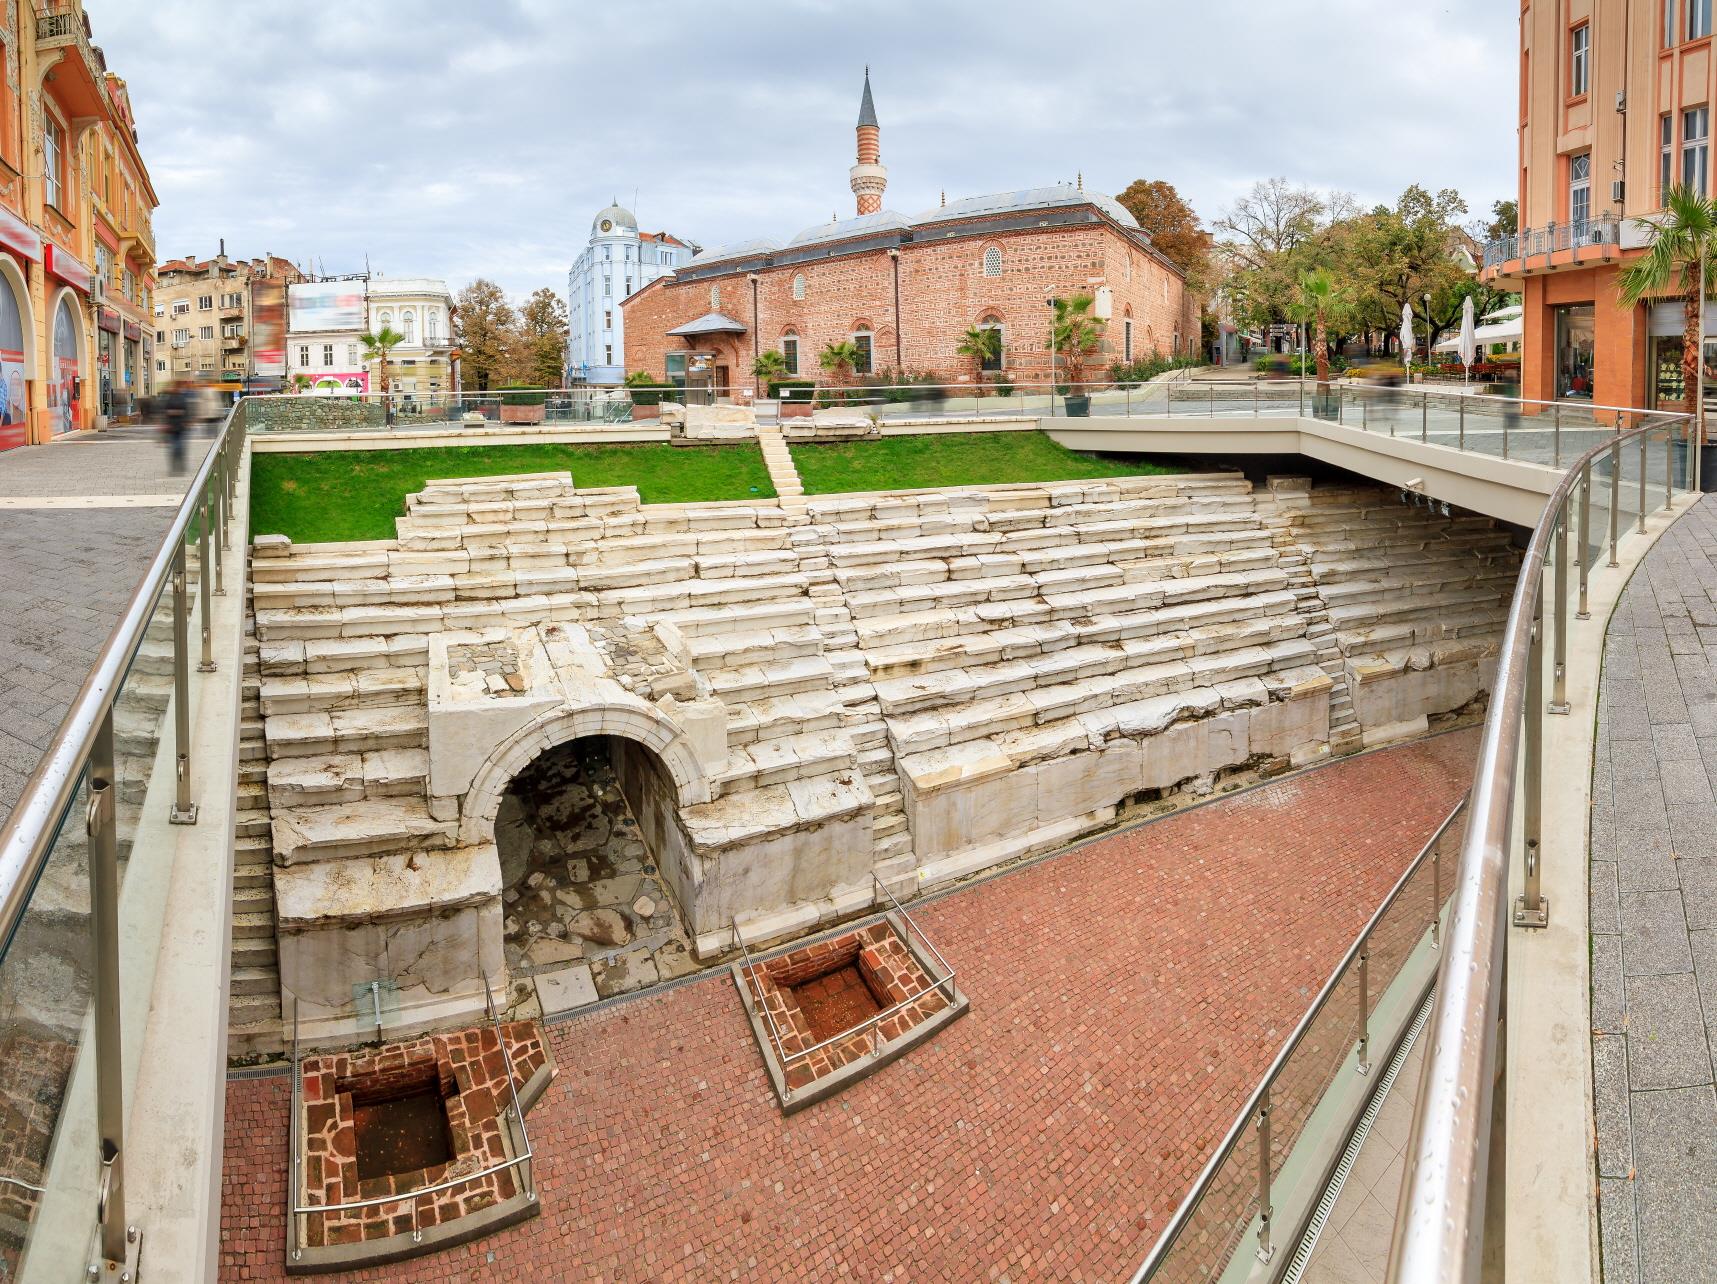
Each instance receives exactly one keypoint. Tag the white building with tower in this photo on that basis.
(618, 260)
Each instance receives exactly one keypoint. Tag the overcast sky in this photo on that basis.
(462, 139)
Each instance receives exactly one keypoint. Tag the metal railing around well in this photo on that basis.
(83, 879)
(944, 983)
(300, 1212)
(1232, 1205)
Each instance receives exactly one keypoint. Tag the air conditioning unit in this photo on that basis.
(1618, 189)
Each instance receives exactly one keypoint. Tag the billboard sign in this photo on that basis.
(326, 305)
(268, 327)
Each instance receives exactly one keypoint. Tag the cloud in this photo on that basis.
(466, 140)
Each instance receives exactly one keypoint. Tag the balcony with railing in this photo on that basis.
(1565, 244)
(77, 79)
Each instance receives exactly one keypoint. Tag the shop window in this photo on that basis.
(1575, 349)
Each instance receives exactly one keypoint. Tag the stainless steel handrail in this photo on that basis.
(29, 833)
(1243, 1121)
(1439, 1230)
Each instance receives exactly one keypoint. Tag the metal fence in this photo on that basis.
(70, 947)
(1554, 238)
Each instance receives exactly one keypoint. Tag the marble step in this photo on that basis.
(248, 1009)
(256, 951)
(759, 646)
(757, 681)
(348, 731)
(256, 980)
(253, 925)
(360, 688)
(366, 828)
(701, 621)
(956, 714)
(775, 716)
(343, 654)
(325, 779)
(775, 762)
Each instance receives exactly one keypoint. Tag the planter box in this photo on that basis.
(795, 410)
(521, 414)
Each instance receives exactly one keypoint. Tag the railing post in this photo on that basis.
(1583, 613)
(1615, 497)
(1559, 670)
(1645, 438)
(1531, 909)
(1437, 895)
(207, 664)
(217, 509)
(104, 929)
(1266, 1250)
(1364, 1066)
(1340, 405)
(1556, 437)
(1668, 467)
(183, 811)
(1302, 391)
(1424, 413)
(1213, 401)
(1461, 440)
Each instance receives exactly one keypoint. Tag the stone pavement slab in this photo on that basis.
(1126, 996)
(1654, 915)
(65, 576)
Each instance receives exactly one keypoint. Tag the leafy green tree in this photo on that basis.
(377, 345)
(1505, 220)
(485, 329)
(1173, 228)
(1075, 335)
(1677, 262)
(540, 359)
(980, 345)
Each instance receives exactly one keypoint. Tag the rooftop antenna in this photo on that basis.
(1080, 181)
(944, 197)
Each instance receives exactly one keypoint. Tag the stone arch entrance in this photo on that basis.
(640, 723)
(588, 847)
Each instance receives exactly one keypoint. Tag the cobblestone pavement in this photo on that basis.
(65, 576)
(1125, 998)
(1654, 915)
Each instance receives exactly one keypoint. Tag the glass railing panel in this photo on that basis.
(1220, 1226)
(49, 1173)
(143, 727)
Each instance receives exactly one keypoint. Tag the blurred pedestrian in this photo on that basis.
(175, 407)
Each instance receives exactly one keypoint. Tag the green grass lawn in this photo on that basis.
(356, 494)
(954, 459)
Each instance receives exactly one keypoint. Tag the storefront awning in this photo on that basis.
(708, 323)
(68, 268)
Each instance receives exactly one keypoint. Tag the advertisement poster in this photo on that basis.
(268, 327)
(326, 305)
(14, 403)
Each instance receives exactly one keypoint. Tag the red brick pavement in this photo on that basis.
(1125, 998)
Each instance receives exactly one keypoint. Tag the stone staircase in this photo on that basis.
(779, 460)
(253, 1006)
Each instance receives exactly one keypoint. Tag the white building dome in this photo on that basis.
(616, 219)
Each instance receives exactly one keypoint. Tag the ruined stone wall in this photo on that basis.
(914, 687)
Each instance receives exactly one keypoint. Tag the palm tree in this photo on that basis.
(840, 359)
(1677, 261)
(377, 346)
(769, 367)
(1076, 334)
(981, 344)
(1317, 300)
(301, 382)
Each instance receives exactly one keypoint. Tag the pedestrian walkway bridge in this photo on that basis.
(116, 877)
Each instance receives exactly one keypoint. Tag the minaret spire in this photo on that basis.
(869, 177)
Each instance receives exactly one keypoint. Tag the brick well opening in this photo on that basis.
(400, 1123)
(837, 1001)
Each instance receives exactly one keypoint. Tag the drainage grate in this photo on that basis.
(1349, 1156)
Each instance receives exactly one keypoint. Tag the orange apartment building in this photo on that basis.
(1615, 107)
(77, 254)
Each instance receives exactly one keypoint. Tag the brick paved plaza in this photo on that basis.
(1125, 998)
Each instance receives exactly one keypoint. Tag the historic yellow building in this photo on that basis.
(77, 253)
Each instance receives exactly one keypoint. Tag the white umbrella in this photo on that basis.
(1407, 338)
(1469, 341)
